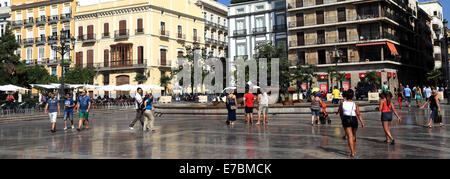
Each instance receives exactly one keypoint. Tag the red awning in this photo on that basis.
(374, 43)
(392, 48)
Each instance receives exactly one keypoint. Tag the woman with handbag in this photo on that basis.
(435, 108)
(386, 109)
(232, 107)
(350, 115)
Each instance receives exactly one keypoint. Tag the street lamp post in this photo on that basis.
(337, 57)
(65, 41)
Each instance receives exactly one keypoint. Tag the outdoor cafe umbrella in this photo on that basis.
(11, 88)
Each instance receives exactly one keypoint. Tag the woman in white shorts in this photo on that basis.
(263, 107)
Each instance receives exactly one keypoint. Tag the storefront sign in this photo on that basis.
(395, 75)
(324, 87)
(362, 75)
(346, 85)
(304, 86)
(379, 74)
(389, 74)
(348, 76)
(323, 77)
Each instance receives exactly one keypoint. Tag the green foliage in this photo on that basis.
(189, 55)
(435, 76)
(140, 78)
(165, 81)
(8, 45)
(79, 75)
(374, 79)
(39, 75)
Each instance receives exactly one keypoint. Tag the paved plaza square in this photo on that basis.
(200, 137)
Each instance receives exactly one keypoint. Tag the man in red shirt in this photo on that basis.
(249, 98)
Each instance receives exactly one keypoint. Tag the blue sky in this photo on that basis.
(226, 2)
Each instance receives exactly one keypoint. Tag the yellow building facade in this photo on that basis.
(122, 38)
(37, 25)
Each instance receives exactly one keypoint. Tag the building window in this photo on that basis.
(318, 2)
(319, 17)
(301, 58)
(240, 11)
(322, 56)
(180, 31)
(260, 8)
(140, 26)
(140, 54)
(53, 71)
(300, 21)
(341, 15)
(163, 28)
(194, 32)
(369, 31)
(163, 57)
(300, 38)
(106, 30)
(321, 37)
(342, 34)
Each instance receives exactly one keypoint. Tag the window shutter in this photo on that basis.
(106, 58)
(163, 57)
(140, 54)
(80, 31)
(106, 28)
(90, 58)
(139, 25)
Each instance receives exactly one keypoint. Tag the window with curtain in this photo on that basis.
(241, 49)
(41, 54)
(240, 25)
(260, 22)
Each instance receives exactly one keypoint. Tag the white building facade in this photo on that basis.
(5, 15)
(435, 10)
(254, 22)
(216, 27)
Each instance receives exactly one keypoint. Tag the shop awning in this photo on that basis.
(392, 48)
(373, 43)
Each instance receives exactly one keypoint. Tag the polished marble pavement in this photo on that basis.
(198, 137)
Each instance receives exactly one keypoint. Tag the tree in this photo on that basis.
(189, 55)
(140, 78)
(79, 75)
(165, 81)
(331, 74)
(374, 79)
(38, 75)
(340, 77)
(10, 65)
(435, 76)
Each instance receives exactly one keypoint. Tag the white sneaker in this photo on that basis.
(131, 128)
(73, 127)
(65, 128)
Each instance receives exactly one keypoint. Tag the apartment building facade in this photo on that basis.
(122, 38)
(37, 25)
(434, 9)
(216, 27)
(5, 15)
(254, 22)
(391, 37)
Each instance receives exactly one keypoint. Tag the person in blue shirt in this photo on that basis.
(148, 113)
(408, 93)
(69, 104)
(83, 106)
(53, 110)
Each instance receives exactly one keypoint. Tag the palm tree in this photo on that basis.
(374, 79)
(340, 77)
(165, 81)
(331, 74)
(435, 75)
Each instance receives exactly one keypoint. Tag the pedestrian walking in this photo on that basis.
(350, 115)
(53, 110)
(399, 97)
(69, 104)
(427, 92)
(139, 109)
(149, 118)
(336, 93)
(435, 108)
(419, 96)
(408, 93)
(83, 107)
(231, 107)
(387, 109)
(249, 99)
(263, 107)
(315, 108)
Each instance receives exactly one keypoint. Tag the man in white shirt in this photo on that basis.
(139, 110)
(428, 92)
